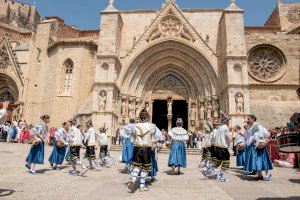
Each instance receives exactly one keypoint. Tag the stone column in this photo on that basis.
(234, 57)
(107, 70)
(170, 113)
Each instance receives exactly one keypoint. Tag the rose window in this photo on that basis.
(170, 25)
(266, 63)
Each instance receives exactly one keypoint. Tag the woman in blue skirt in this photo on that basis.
(127, 150)
(36, 154)
(239, 143)
(177, 156)
(59, 146)
(256, 156)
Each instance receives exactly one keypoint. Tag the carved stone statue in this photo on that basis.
(131, 109)
(202, 112)
(209, 110)
(193, 115)
(239, 100)
(216, 108)
(147, 107)
(102, 101)
(123, 108)
(170, 103)
(138, 108)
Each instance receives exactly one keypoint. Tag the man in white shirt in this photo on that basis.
(3, 112)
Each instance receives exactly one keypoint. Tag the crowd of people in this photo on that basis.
(255, 147)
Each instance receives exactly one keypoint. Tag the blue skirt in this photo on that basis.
(154, 165)
(263, 161)
(177, 156)
(127, 151)
(240, 158)
(36, 154)
(257, 159)
(58, 154)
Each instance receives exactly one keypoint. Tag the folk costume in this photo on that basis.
(143, 141)
(3, 116)
(37, 151)
(90, 142)
(222, 144)
(256, 155)
(59, 148)
(75, 145)
(103, 142)
(177, 157)
(127, 151)
(239, 143)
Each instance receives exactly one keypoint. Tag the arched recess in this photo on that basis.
(9, 88)
(169, 56)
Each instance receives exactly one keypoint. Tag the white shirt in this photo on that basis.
(75, 138)
(90, 137)
(179, 134)
(145, 134)
(223, 137)
(103, 139)
(3, 116)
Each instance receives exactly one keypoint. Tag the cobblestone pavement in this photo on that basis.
(109, 183)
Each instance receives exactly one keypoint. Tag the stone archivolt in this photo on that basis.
(266, 63)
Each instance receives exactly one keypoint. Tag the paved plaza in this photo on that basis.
(109, 183)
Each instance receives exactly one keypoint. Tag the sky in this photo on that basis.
(85, 14)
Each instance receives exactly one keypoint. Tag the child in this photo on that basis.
(239, 143)
(103, 147)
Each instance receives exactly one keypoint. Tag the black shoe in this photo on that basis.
(27, 166)
(260, 178)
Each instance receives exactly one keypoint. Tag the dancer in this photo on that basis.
(127, 150)
(75, 140)
(257, 156)
(177, 158)
(90, 142)
(239, 143)
(103, 142)
(3, 112)
(143, 141)
(222, 144)
(59, 146)
(37, 152)
(211, 161)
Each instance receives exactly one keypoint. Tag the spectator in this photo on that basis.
(286, 160)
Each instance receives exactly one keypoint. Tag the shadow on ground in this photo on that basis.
(6, 192)
(278, 198)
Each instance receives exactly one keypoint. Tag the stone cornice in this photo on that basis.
(90, 44)
(274, 84)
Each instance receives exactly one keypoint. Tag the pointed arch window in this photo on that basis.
(68, 72)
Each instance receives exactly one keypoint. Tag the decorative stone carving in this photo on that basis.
(266, 63)
(6, 96)
(138, 108)
(170, 25)
(170, 103)
(123, 107)
(131, 109)
(209, 109)
(4, 58)
(202, 112)
(193, 115)
(216, 108)
(294, 15)
(102, 100)
(147, 107)
(239, 100)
